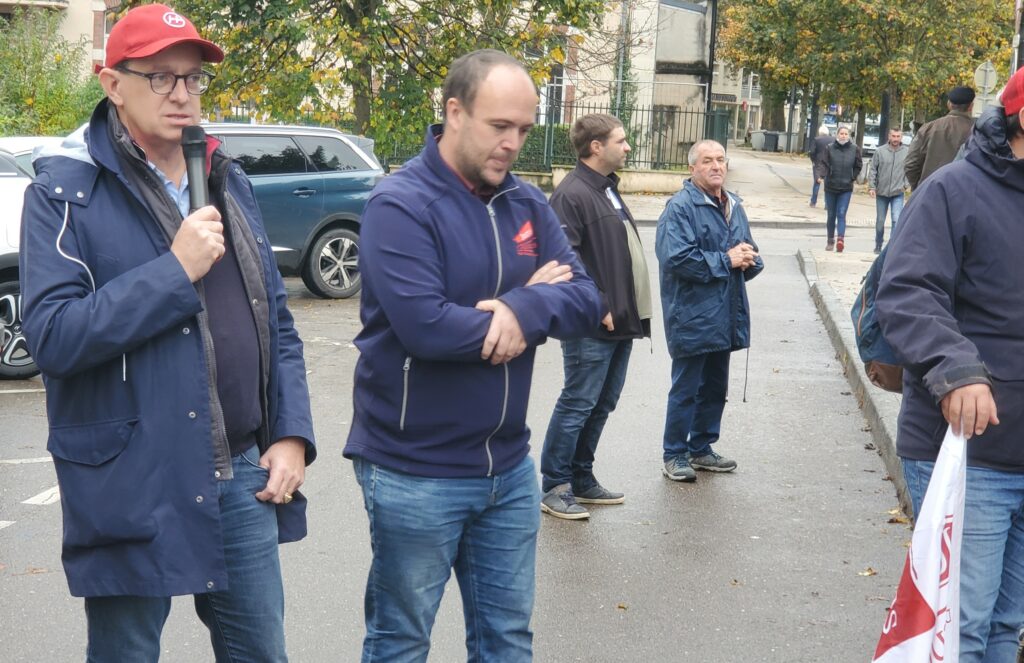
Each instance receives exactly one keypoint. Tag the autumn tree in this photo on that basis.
(375, 63)
(854, 50)
(43, 88)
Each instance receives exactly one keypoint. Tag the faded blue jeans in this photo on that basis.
(595, 370)
(246, 620)
(883, 204)
(991, 559)
(837, 203)
(423, 527)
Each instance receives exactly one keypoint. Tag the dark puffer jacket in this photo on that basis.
(844, 163)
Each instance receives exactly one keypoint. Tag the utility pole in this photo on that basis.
(623, 41)
(713, 6)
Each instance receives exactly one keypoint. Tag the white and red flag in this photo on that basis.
(923, 623)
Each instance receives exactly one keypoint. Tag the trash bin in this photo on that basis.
(717, 127)
(771, 141)
(757, 140)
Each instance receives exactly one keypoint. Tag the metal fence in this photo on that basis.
(660, 135)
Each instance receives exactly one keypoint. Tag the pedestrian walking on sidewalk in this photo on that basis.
(937, 142)
(951, 305)
(843, 163)
(601, 229)
(176, 392)
(887, 183)
(465, 271)
(706, 255)
(819, 167)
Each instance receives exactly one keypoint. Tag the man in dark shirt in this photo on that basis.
(603, 233)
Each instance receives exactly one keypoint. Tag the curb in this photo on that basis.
(881, 408)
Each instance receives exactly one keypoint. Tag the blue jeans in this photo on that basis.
(991, 559)
(837, 204)
(882, 205)
(595, 371)
(814, 192)
(420, 528)
(246, 620)
(696, 402)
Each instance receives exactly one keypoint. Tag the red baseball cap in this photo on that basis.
(1012, 95)
(149, 29)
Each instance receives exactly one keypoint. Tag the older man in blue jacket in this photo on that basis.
(706, 256)
(176, 392)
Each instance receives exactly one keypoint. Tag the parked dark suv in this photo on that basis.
(311, 184)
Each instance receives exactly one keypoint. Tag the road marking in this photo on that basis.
(26, 461)
(6, 523)
(22, 391)
(50, 496)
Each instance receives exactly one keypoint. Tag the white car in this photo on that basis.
(15, 361)
(22, 148)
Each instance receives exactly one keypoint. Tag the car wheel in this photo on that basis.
(15, 361)
(332, 267)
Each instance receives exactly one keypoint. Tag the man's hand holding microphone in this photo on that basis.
(199, 242)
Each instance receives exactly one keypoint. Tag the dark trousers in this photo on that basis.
(696, 402)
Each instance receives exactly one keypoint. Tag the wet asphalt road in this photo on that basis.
(771, 563)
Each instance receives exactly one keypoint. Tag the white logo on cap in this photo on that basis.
(174, 19)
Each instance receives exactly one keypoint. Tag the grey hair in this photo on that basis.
(691, 158)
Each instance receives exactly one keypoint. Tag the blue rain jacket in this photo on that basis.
(703, 298)
(110, 317)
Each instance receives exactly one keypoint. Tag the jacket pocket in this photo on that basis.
(105, 499)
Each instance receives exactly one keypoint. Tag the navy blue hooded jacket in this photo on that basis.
(703, 297)
(951, 298)
(111, 319)
(425, 402)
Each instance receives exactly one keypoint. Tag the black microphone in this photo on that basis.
(193, 144)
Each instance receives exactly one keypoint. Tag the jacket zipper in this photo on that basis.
(497, 289)
(405, 391)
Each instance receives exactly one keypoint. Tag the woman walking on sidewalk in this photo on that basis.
(843, 162)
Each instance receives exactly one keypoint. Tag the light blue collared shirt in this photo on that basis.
(178, 194)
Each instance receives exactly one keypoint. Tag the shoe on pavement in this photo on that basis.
(712, 462)
(840, 244)
(560, 503)
(878, 250)
(598, 494)
(678, 469)
(830, 245)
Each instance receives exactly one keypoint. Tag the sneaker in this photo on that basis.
(560, 503)
(678, 469)
(830, 245)
(598, 494)
(712, 462)
(878, 250)
(839, 244)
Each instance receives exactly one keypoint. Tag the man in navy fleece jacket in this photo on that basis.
(465, 271)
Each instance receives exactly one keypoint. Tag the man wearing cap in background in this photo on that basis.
(176, 393)
(938, 141)
(951, 305)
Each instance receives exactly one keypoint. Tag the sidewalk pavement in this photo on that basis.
(776, 190)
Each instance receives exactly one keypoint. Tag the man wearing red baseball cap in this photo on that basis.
(179, 414)
(951, 304)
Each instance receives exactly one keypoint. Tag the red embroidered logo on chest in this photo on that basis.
(526, 241)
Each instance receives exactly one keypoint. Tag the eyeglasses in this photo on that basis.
(164, 82)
